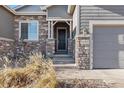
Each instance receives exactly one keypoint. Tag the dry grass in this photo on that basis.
(38, 74)
(83, 83)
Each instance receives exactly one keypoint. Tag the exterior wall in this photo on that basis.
(39, 45)
(6, 34)
(59, 11)
(50, 47)
(6, 47)
(6, 24)
(6, 50)
(87, 13)
(70, 46)
(104, 12)
(82, 58)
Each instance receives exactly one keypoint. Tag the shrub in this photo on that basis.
(38, 73)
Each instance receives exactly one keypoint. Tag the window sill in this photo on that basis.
(26, 40)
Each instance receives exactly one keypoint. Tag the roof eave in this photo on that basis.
(18, 7)
(30, 13)
(9, 9)
(71, 9)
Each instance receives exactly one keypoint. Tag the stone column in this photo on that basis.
(70, 29)
(50, 47)
(82, 57)
(49, 30)
(70, 46)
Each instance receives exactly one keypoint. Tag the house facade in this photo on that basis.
(86, 37)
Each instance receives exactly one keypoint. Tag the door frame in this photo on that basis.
(65, 28)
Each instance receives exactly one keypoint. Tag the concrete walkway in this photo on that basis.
(103, 74)
(113, 76)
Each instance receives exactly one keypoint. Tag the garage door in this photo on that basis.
(108, 46)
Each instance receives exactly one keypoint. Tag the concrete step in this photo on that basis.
(63, 62)
(59, 67)
(62, 56)
(67, 59)
(63, 59)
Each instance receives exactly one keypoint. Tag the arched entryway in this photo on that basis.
(61, 35)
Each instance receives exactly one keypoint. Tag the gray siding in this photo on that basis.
(30, 8)
(6, 23)
(101, 12)
(58, 11)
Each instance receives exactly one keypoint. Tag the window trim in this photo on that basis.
(28, 21)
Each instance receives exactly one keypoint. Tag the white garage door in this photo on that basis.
(108, 47)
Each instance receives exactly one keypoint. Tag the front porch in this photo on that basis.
(60, 41)
(59, 37)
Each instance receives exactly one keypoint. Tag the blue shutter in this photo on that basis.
(32, 31)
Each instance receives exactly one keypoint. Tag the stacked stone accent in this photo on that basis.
(82, 57)
(73, 48)
(70, 46)
(50, 47)
(5, 47)
(39, 45)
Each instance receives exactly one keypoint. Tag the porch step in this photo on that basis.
(62, 56)
(59, 67)
(63, 59)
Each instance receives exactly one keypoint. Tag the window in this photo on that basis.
(29, 30)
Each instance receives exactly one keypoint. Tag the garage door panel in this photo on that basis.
(109, 54)
(107, 47)
(106, 37)
(109, 29)
(104, 64)
(106, 40)
(108, 51)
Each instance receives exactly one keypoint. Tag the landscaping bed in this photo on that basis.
(83, 83)
(38, 73)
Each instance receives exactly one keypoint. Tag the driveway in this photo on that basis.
(113, 76)
(103, 74)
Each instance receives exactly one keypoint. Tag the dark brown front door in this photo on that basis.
(62, 40)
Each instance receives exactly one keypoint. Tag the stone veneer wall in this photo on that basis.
(70, 46)
(73, 48)
(6, 50)
(6, 47)
(50, 47)
(43, 27)
(82, 57)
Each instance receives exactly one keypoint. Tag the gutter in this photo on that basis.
(30, 13)
(23, 13)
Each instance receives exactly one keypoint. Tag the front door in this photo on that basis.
(61, 40)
